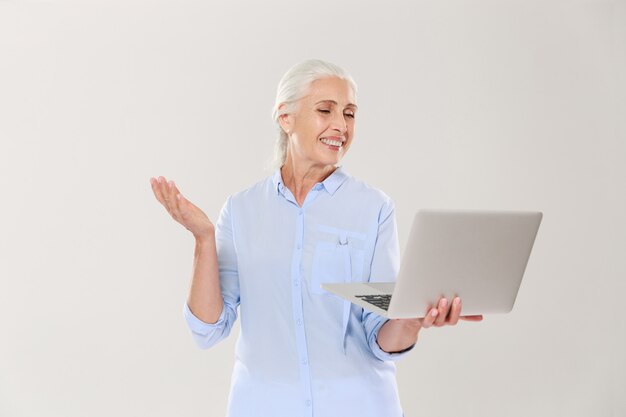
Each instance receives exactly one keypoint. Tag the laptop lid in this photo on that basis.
(477, 255)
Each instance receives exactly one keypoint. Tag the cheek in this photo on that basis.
(314, 127)
(321, 125)
(351, 129)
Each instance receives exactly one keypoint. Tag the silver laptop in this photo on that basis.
(479, 256)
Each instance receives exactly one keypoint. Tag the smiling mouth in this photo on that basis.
(332, 142)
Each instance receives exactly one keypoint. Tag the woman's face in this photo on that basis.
(321, 127)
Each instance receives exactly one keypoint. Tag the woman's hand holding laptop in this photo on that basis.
(445, 313)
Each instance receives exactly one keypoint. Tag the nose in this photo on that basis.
(339, 123)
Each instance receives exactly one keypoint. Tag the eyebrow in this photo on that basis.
(335, 103)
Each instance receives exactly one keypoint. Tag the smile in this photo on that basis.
(331, 142)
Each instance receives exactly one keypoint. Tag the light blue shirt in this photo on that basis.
(302, 351)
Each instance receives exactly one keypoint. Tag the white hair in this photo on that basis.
(292, 88)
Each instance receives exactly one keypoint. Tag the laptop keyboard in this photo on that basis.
(380, 301)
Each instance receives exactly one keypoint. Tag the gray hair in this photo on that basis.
(292, 87)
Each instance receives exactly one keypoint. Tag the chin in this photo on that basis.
(330, 161)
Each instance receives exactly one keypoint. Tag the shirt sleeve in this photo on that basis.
(384, 268)
(204, 334)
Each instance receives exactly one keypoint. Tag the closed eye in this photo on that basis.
(325, 111)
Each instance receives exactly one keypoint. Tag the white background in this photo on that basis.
(463, 104)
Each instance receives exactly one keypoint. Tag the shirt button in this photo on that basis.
(304, 361)
(300, 213)
(299, 322)
(299, 246)
(308, 403)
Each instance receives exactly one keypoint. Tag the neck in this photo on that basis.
(300, 178)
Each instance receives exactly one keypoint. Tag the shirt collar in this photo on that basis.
(334, 180)
(331, 184)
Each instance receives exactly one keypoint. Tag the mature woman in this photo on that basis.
(302, 351)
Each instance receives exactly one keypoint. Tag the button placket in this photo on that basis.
(298, 314)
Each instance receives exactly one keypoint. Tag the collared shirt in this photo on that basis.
(301, 350)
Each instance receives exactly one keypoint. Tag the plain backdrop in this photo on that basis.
(463, 104)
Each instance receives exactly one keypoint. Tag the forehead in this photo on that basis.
(330, 89)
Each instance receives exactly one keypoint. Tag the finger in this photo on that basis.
(173, 200)
(178, 196)
(430, 318)
(472, 318)
(455, 311)
(181, 203)
(156, 189)
(164, 189)
(442, 308)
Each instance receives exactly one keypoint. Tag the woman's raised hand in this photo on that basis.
(181, 209)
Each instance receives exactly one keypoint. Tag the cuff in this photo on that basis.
(198, 326)
(381, 354)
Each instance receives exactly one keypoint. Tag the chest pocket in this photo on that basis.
(338, 258)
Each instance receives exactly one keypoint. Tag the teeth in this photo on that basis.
(331, 142)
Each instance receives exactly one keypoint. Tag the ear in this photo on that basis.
(285, 120)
